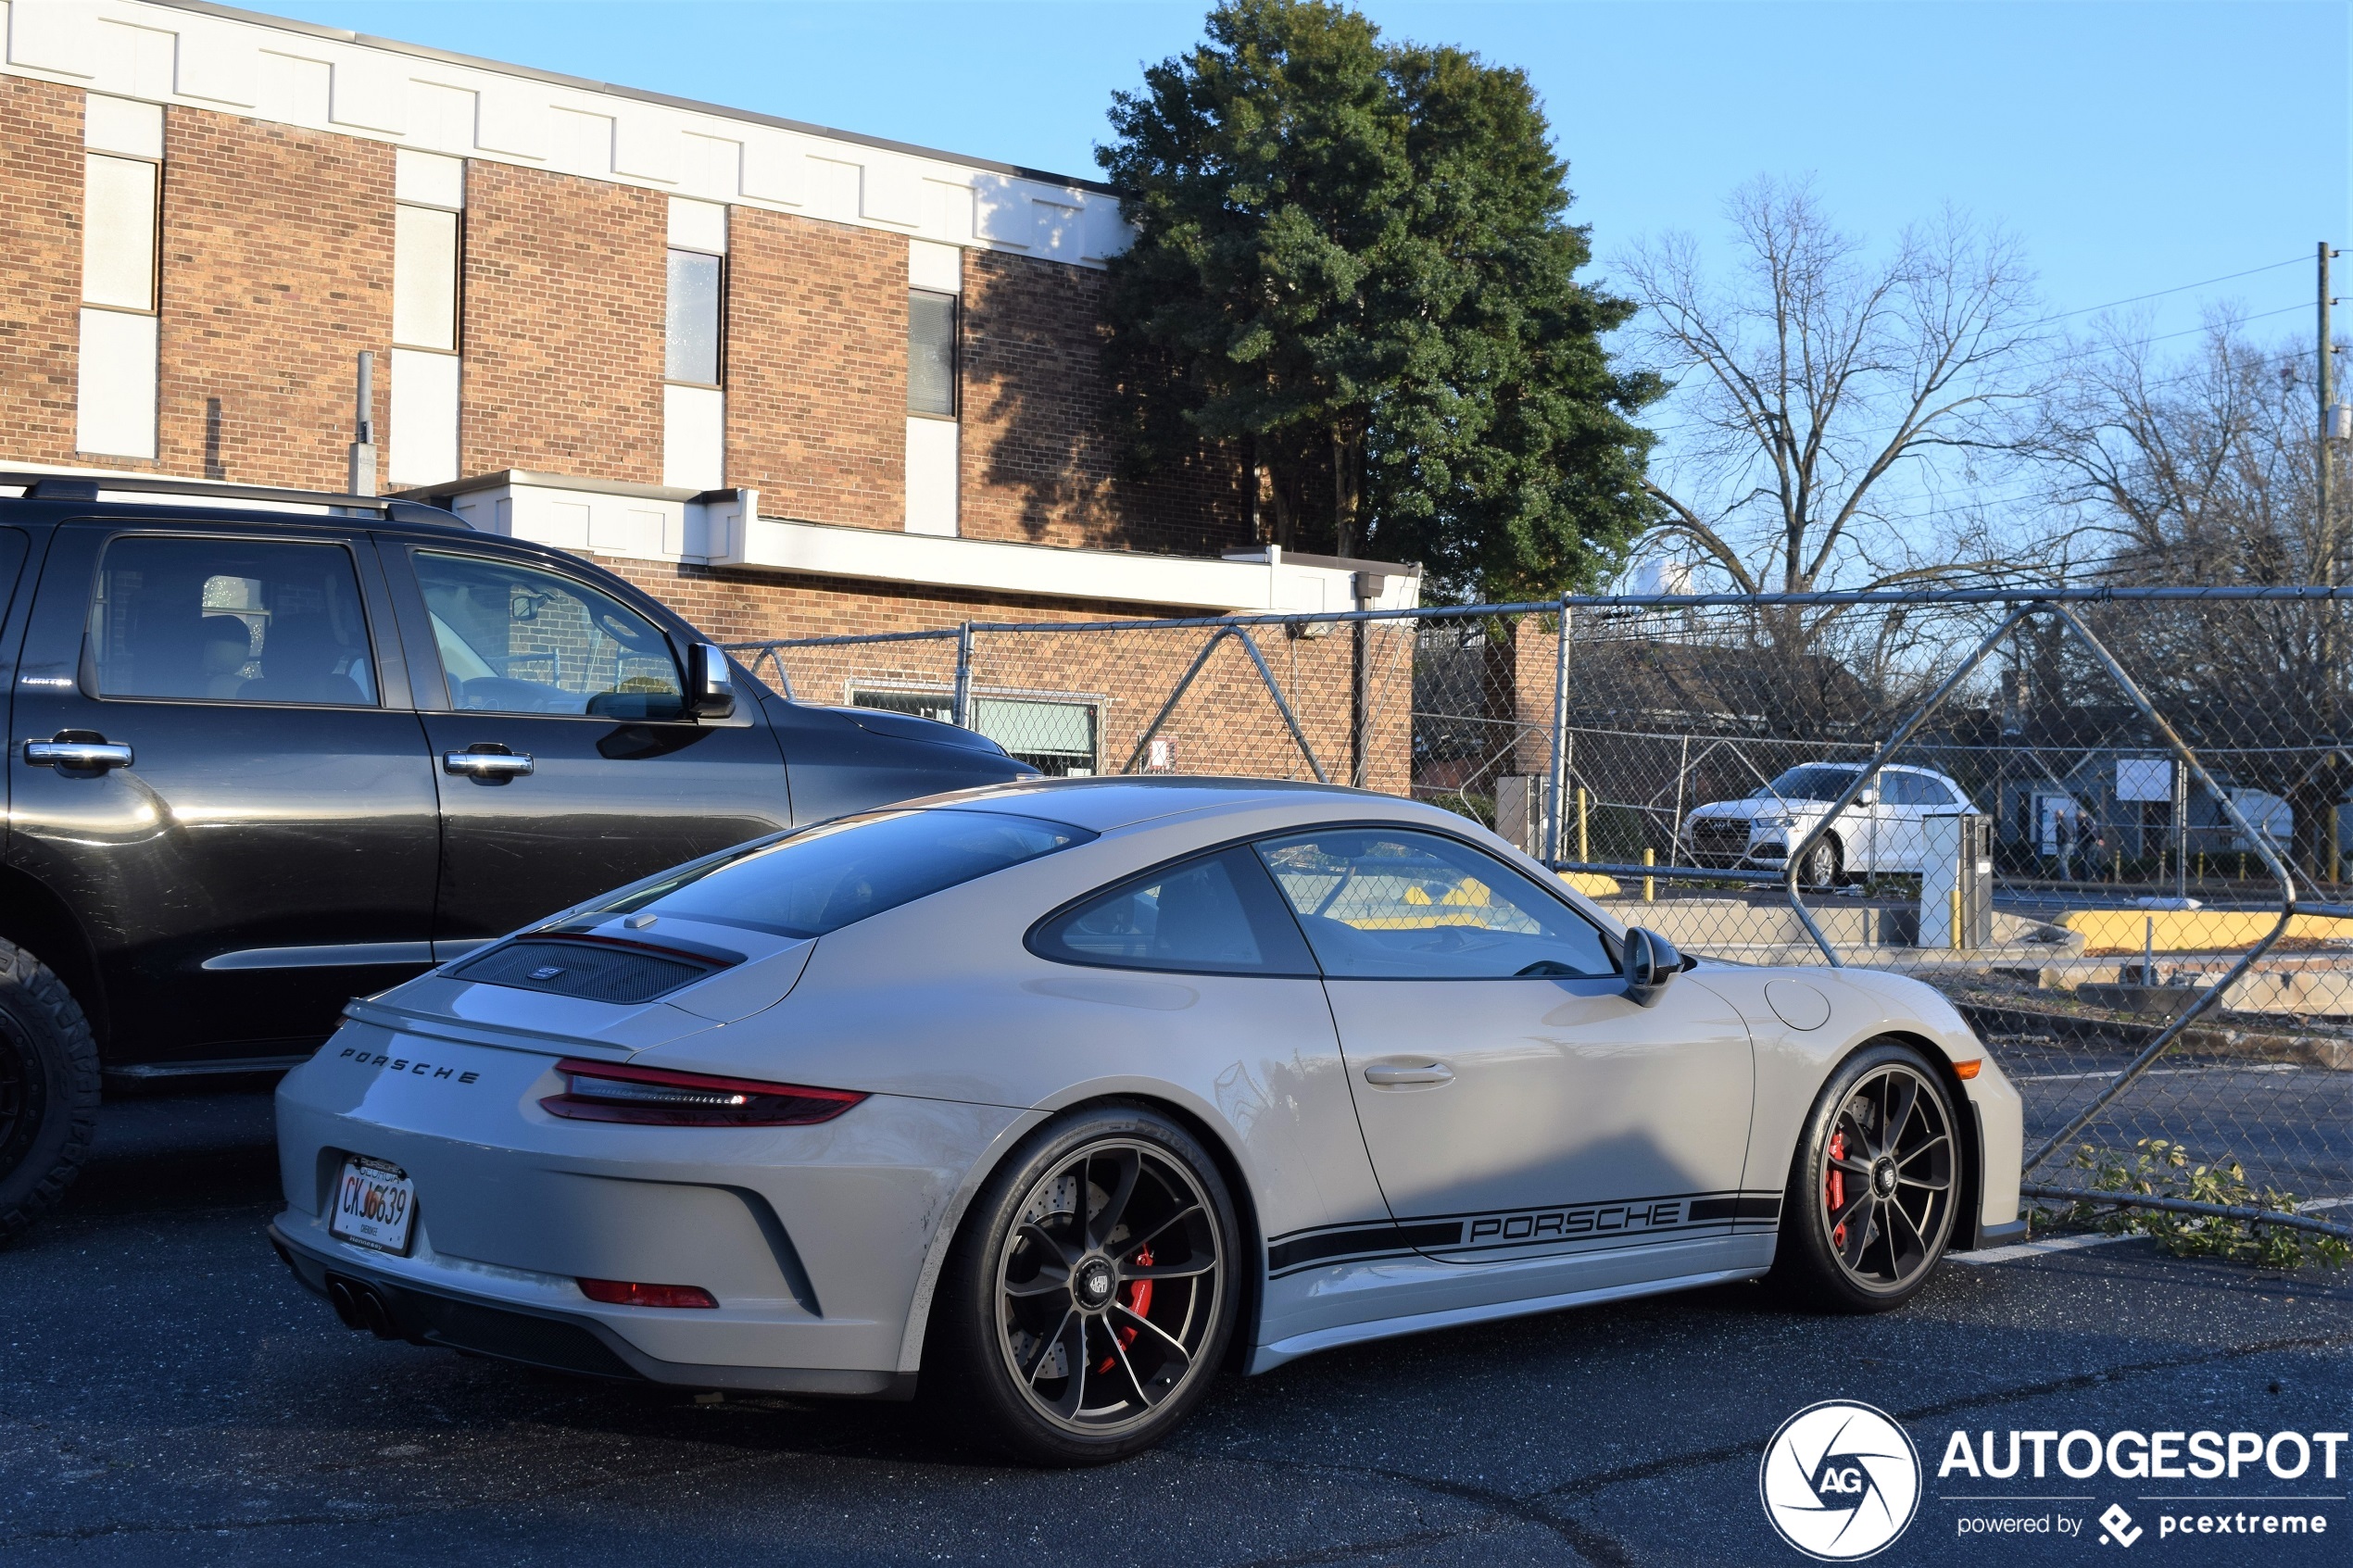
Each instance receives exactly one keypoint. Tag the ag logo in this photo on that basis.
(1840, 1481)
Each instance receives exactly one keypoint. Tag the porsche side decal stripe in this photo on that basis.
(1520, 1228)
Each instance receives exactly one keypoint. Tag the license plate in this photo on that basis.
(375, 1204)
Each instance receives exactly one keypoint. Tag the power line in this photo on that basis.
(2181, 288)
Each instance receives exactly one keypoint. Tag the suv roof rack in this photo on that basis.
(197, 491)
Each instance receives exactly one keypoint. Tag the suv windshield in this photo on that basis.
(823, 878)
(1814, 783)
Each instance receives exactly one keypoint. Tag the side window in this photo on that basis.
(1914, 790)
(1380, 904)
(1212, 915)
(230, 620)
(514, 639)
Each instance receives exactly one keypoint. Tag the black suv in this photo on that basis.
(264, 757)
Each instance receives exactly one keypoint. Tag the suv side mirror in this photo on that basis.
(1869, 797)
(711, 686)
(1651, 962)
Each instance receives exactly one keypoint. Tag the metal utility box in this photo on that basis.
(1956, 881)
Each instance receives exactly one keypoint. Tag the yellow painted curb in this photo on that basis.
(1592, 883)
(2190, 931)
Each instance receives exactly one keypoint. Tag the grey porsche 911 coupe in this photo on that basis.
(1063, 1095)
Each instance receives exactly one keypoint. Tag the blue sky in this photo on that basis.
(2135, 147)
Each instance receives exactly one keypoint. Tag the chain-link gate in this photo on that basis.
(2108, 824)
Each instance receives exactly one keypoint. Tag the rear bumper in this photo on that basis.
(393, 1308)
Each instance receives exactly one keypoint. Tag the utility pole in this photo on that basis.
(2324, 385)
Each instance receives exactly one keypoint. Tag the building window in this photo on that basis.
(694, 356)
(931, 353)
(935, 300)
(122, 209)
(1056, 732)
(428, 256)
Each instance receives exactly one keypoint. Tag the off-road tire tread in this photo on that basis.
(42, 999)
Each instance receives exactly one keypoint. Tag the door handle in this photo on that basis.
(1398, 1075)
(495, 767)
(97, 754)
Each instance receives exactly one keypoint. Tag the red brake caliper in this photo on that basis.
(1838, 1188)
(1140, 1301)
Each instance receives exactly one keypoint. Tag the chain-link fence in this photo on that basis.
(2110, 825)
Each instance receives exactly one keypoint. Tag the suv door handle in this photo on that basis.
(1397, 1075)
(495, 767)
(96, 754)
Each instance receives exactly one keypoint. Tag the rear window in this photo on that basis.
(826, 877)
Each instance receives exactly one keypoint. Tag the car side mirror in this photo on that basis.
(1651, 962)
(1869, 797)
(711, 685)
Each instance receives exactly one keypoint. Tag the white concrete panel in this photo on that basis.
(888, 194)
(511, 119)
(644, 147)
(295, 89)
(932, 446)
(114, 406)
(1056, 232)
(1001, 214)
(564, 524)
(696, 225)
(694, 437)
(137, 61)
(367, 91)
(1106, 232)
(441, 117)
(710, 166)
(120, 125)
(948, 210)
(617, 529)
(935, 267)
(424, 418)
(428, 179)
(773, 168)
(580, 144)
(118, 232)
(833, 188)
(220, 65)
(48, 36)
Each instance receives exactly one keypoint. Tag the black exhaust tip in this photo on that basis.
(362, 1306)
(345, 1302)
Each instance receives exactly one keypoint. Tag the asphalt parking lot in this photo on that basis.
(168, 1395)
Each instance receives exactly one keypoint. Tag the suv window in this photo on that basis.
(514, 639)
(230, 620)
(1216, 914)
(1380, 904)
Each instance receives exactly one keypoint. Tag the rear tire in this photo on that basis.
(1091, 1292)
(1874, 1186)
(48, 1089)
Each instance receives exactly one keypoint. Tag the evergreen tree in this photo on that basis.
(1352, 266)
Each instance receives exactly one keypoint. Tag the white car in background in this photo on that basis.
(1067, 1095)
(1883, 833)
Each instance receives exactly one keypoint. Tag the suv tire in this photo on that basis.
(48, 1089)
(1044, 1277)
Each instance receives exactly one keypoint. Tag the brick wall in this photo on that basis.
(1040, 449)
(565, 284)
(277, 271)
(41, 281)
(817, 368)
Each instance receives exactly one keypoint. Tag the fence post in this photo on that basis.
(962, 712)
(1556, 776)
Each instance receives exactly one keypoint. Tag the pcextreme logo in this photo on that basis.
(1840, 1481)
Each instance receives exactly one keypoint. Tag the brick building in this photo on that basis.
(792, 380)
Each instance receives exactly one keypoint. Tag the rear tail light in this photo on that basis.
(627, 1292)
(605, 1091)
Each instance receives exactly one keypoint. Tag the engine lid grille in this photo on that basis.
(595, 971)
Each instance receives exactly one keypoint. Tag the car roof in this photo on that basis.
(1102, 805)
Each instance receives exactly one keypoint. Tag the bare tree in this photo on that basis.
(2201, 472)
(1819, 375)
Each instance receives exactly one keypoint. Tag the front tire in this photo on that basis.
(1873, 1187)
(1091, 1292)
(1821, 865)
(48, 1089)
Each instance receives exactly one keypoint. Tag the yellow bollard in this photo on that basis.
(1957, 919)
(1650, 885)
(1584, 844)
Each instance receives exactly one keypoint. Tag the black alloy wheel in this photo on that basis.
(48, 1089)
(1092, 1297)
(1873, 1191)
